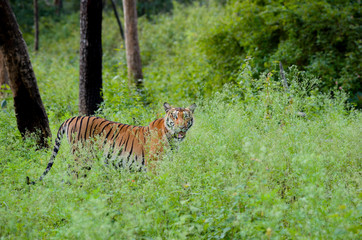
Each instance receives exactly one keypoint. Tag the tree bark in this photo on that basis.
(36, 25)
(90, 66)
(30, 113)
(117, 17)
(134, 64)
(4, 77)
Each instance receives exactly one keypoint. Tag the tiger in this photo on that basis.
(126, 146)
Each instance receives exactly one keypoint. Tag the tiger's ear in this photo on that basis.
(192, 107)
(167, 106)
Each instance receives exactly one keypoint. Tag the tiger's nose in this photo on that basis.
(183, 128)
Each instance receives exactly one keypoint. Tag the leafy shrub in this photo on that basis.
(321, 37)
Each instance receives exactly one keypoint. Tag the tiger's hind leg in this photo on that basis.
(83, 159)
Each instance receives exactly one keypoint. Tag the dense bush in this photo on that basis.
(322, 37)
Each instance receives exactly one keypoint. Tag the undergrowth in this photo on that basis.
(250, 167)
(259, 162)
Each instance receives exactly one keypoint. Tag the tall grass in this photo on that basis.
(246, 170)
(250, 167)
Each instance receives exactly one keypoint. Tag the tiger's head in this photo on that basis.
(178, 120)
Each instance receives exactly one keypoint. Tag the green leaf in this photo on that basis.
(3, 104)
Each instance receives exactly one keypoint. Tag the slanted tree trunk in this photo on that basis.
(36, 25)
(117, 18)
(90, 66)
(134, 64)
(30, 113)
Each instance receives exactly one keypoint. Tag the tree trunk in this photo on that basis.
(4, 77)
(36, 25)
(117, 17)
(58, 5)
(30, 113)
(90, 66)
(134, 64)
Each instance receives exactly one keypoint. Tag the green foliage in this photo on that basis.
(322, 37)
(248, 164)
(171, 53)
(252, 166)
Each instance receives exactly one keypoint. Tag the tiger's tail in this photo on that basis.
(58, 140)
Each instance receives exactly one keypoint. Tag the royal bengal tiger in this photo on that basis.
(126, 146)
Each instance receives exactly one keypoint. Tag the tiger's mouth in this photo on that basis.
(180, 136)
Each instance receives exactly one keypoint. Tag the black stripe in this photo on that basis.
(127, 141)
(70, 120)
(110, 132)
(143, 156)
(80, 128)
(120, 142)
(122, 135)
(144, 135)
(116, 132)
(105, 139)
(110, 151)
(127, 126)
(95, 128)
(125, 148)
(115, 135)
(49, 166)
(91, 127)
(86, 129)
(60, 129)
(75, 125)
(130, 153)
(68, 123)
(130, 166)
(105, 126)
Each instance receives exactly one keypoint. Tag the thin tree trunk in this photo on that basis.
(58, 5)
(134, 64)
(30, 113)
(117, 17)
(36, 25)
(90, 66)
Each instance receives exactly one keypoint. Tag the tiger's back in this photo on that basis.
(120, 140)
